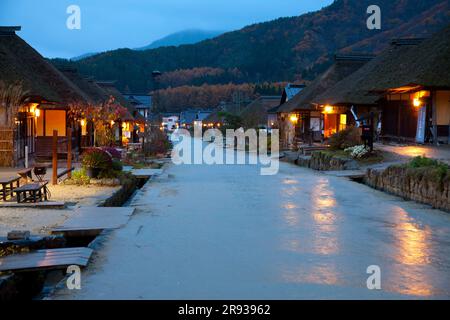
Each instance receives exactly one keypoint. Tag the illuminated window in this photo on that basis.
(342, 122)
(55, 120)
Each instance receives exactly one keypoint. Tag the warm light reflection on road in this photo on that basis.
(324, 238)
(318, 274)
(413, 247)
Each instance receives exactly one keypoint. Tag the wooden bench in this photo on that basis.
(7, 185)
(26, 174)
(36, 191)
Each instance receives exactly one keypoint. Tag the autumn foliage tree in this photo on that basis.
(101, 116)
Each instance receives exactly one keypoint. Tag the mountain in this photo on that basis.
(292, 48)
(86, 55)
(182, 37)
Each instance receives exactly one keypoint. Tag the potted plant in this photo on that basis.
(96, 160)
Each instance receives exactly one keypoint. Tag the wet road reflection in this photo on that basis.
(225, 232)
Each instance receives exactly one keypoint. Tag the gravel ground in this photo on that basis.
(40, 221)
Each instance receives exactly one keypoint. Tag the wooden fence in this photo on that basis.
(7, 154)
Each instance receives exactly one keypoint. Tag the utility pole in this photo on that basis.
(156, 75)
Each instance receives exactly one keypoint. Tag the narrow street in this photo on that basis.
(225, 232)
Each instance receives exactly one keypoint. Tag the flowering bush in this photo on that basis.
(115, 154)
(96, 158)
(358, 152)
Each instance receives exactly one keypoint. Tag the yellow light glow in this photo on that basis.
(294, 118)
(416, 102)
(218, 125)
(328, 109)
(37, 113)
(83, 122)
(112, 122)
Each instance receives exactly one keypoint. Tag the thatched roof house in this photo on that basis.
(94, 93)
(255, 114)
(40, 79)
(406, 64)
(343, 67)
(111, 90)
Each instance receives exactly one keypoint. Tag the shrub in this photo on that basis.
(96, 158)
(80, 177)
(115, 154)
(429, 168)
(159, 143)
(418, 162)
(344, 139)
(117, 165)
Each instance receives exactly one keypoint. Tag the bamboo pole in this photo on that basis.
(55, 158)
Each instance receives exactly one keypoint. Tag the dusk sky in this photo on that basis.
(112, 24)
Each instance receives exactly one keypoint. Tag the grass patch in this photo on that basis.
(423, 167)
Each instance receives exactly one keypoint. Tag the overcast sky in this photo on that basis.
(115, 24)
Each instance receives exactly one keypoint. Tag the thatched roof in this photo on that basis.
(406, 63)
(232, 108)
(110, 88)
(343, 67)
(20, 63)
(90, 88)
(255, 113)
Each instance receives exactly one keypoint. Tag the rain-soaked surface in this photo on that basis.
(226, 232)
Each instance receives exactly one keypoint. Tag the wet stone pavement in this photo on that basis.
(226, 232)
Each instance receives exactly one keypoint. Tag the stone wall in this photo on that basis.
(413, 184)
(322, 161)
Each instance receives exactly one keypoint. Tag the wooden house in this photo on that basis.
(409, 83)
(129, 128)
(302, 119)
(289, 92)
(255, 114)
(45, 98)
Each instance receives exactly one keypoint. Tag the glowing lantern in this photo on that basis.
(328, 109)
(37, 113)
(83, 122)
(294, 118)
(417, 103)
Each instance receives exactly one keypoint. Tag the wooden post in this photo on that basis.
(434, 117)
(55, 158)
(69, 152)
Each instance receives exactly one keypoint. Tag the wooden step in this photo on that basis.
(46, 259)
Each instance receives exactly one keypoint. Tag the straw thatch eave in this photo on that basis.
(20, 63)
(422, 64)
(339, 70)
(90, 88)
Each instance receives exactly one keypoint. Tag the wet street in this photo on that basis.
(226, 232)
